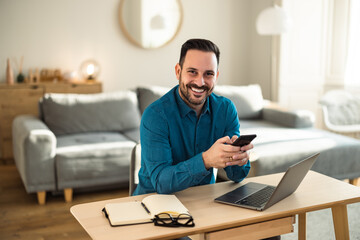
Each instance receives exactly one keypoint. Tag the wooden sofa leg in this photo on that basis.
(354, 181)
(68, 192)
(41, 196)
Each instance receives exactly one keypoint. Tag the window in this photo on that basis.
(352, 71)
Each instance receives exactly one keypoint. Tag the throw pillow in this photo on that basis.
(77, 113)
(248, 100)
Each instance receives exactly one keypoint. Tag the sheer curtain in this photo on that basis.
(352, 71)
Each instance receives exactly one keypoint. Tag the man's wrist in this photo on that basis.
(204, 157)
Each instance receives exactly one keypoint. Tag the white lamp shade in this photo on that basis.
(273, 21)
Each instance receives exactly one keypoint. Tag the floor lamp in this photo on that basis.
(273, 21)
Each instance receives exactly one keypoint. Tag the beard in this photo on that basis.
(187, 94)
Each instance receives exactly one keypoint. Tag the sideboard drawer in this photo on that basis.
(95, 87)
(23, 100)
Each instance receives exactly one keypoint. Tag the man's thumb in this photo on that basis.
(224, 140)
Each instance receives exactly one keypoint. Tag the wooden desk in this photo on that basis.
(316, 192)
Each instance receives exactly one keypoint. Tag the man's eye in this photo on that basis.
(210, 74)
(192, 72)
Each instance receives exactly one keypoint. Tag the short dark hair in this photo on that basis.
(199, 44)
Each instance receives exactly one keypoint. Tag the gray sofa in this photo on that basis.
(285, 137)
(85, 141)
(79, 141)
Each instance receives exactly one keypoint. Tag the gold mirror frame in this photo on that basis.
(138, 42)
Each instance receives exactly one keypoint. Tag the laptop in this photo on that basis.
(259, 196)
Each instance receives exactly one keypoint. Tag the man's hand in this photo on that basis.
(223, 154)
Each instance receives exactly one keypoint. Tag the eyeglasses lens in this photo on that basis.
(164, 218)
(183, 219)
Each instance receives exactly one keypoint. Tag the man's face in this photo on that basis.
(197, 77)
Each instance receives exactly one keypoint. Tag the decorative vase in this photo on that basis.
(20, 78)
(9, 73)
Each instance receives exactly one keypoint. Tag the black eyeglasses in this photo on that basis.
(167, 220)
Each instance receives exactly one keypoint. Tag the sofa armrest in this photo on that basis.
(34, 147)
(288, 118)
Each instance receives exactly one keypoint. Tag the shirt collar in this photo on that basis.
(185, 109)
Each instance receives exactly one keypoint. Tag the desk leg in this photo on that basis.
(340, 220)
(302, 226)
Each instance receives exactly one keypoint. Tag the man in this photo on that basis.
(189, 131)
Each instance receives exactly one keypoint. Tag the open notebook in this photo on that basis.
(136, 212)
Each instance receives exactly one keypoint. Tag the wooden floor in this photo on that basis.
(22, 218)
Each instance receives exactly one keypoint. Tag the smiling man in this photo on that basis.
(188, 132)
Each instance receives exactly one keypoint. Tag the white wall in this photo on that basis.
(62, 34)
(259, 50)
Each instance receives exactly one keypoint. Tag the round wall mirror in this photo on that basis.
(150, 23)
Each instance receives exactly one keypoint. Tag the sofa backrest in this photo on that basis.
(148, 95)
(77, 113)
(248, 99)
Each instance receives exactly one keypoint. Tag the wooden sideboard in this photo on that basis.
(18, 99)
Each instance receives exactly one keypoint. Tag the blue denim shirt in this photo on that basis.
(173, 139)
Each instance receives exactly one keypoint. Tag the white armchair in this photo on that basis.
(341, 112)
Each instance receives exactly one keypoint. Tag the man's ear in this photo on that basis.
(216, 79)
(177, 71)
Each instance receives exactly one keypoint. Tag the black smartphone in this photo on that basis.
(244, 140)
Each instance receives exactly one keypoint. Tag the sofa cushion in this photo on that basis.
(248, 100)
(76, 113)
(92, 159)
(132, 134)
(277, 147)
(147, 95)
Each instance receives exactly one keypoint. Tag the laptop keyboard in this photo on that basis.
(258, 198)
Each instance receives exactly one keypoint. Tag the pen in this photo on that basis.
(147, 210)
